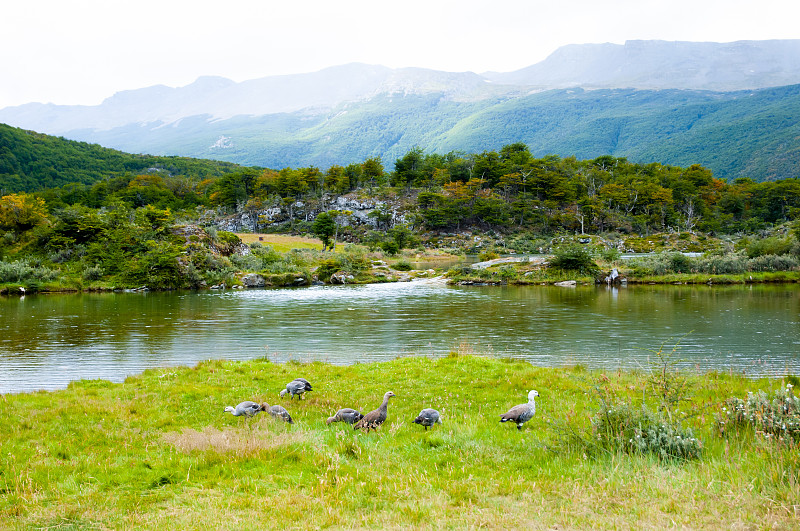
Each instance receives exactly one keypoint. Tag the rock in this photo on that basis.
(340, 277)
(567, 284)
(253, 280)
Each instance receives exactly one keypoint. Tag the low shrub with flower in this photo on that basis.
(779, 417)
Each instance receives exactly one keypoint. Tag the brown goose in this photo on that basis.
(428, 417)
(278, 412)
(348, 415)
(522, 413)
(375, 418)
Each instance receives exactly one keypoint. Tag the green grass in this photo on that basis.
(157, 452)
(282, 243)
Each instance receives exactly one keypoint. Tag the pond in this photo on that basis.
(46, 341)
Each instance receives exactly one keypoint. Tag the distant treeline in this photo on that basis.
(507, 190)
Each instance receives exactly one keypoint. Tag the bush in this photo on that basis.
(610, 254)
(507, 272)
(725, 264)
(779, 417)
(574, 257)
(663, 264)
(620, 427)
(771, 262)
(485, 256)
(93, 273)
(390, 247)
(402, 265)
(769, 246)
(26, 271)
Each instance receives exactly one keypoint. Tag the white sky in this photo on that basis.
(82, 51)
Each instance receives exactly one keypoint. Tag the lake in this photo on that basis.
(46, 341)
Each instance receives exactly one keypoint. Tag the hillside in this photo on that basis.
(753, 134)
(32, 161)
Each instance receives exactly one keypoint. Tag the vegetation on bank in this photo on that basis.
(644, 449)
(159, 226)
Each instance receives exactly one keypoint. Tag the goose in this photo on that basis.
(428, 417)
(246, 408)
(522, 413)
(306, 382)
(296, 387)
(278, 412)
(348, 415)
(375, 418)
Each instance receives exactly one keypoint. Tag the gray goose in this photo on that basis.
(296, 387)
(522, 413)
(375, 418)
(347, 415)
(246, 408)
(278, 412)
(428, 417)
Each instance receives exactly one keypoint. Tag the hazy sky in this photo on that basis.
(82, 51)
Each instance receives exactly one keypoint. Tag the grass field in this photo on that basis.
(281, 242)
(157, 451)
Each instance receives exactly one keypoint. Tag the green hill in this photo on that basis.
(32, 161)
(752, 134)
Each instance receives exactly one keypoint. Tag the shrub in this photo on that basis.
(771, 262)
(93, 273)
(769, 246)
(620, 427)
(610, 254)
(574, 257)
(26, 271)
(485, 256)
(779, 417)
(390, 247)
(725, 264)
(402, 265)
(680, 263)
(662, 264)
(507, 272)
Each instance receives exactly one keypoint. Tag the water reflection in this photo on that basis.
(48, 340)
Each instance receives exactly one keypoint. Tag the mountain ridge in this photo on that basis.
(354, 111)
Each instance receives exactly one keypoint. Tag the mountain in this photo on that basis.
(730, 106)
(663, 65)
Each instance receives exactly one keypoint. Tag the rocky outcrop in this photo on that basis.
(361, 213)
(253, 280)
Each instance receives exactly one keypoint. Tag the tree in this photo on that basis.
(21, 212)
(324, 227)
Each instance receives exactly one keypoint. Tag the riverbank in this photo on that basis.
(157, 451)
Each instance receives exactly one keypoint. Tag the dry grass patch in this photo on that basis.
(237, 441)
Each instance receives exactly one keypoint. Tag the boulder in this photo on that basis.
(340, 277)
(253, 280)
(567, 284)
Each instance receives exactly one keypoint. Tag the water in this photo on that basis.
(46, 341)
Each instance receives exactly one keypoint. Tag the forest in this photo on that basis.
(120, 219)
